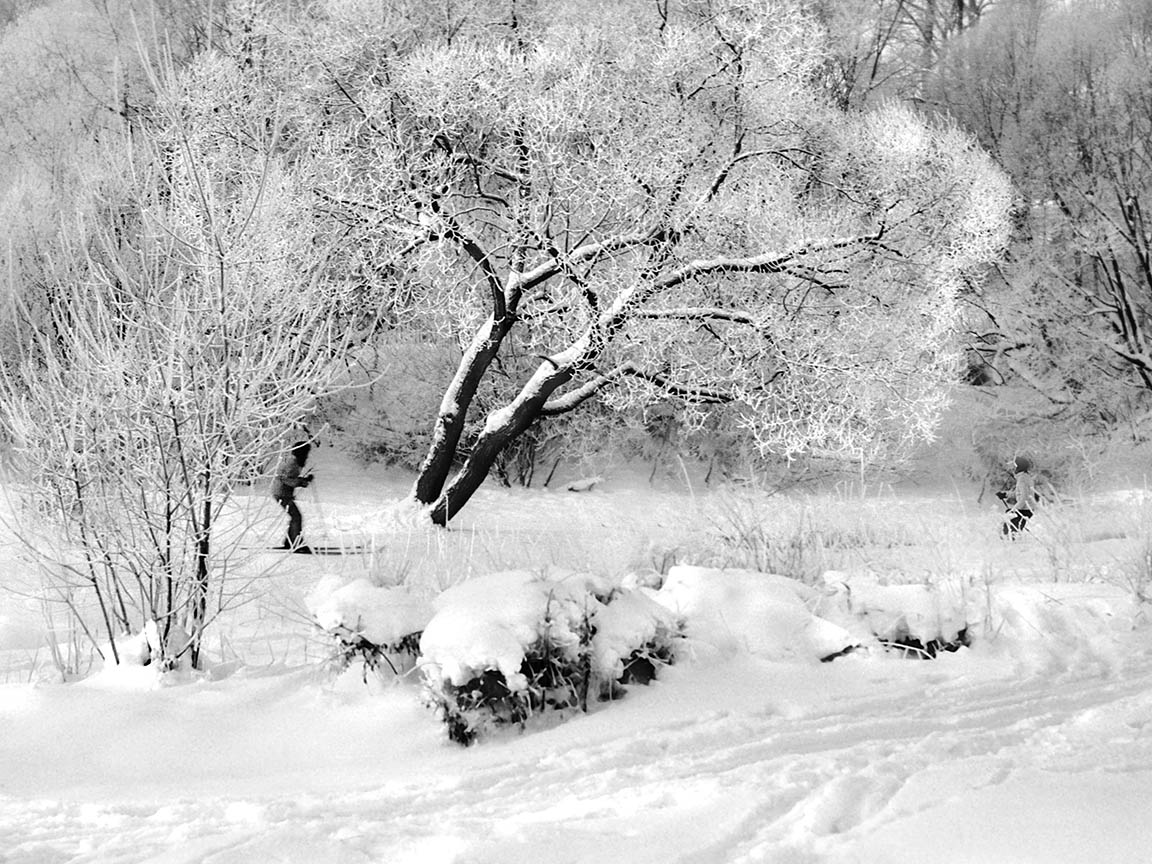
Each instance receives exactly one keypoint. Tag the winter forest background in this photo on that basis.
(644, 341)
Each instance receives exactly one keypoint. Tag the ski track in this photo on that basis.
(723, 787)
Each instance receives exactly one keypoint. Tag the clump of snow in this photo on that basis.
(489, 622)
(381, 616)
(631, 620)
(172, 647)
(133, 649)
(506, 646)
(936, 612)
(744, 610)
(149, 648)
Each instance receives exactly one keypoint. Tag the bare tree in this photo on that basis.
(890, 48)
(188, 334)
(1062, 94)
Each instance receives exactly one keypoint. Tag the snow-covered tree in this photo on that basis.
(181, 337)
(650, 202)
(1061, 94)
(890, 48)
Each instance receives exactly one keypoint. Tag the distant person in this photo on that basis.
(289, 477)
(1020, 497)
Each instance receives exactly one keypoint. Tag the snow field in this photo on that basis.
(1034, 744)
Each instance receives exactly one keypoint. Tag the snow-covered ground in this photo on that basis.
(1034, 744)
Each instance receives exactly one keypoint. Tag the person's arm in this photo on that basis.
(290, 474)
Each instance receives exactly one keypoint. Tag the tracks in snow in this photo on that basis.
(729, 786)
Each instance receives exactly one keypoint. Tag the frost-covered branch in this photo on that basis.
(572, 399)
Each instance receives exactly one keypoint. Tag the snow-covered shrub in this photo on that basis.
(378, 627)
(634, 637)
(915, 620)
(745, 610)
(509, 645)
(166, 652)
(1057, 626)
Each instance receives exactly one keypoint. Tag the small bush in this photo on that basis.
(547, 645)
(378, 627)
(555, 679)
(351, 646)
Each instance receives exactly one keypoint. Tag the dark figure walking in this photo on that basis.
(289, 477)
(1020, 498)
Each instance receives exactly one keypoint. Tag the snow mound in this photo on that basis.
(744, 610)
(490, 621)
(404, 514)
(1041, 627)
(382, 616)
(1057, 627)
(630, 620)
(133, 649)
(925, 613)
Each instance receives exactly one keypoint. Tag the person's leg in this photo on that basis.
(295, 523)
(1022, 517)
(1017, 522)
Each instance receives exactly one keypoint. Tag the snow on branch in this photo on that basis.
(688, 392)
(768, 262)
(698, 313)
(579, 255)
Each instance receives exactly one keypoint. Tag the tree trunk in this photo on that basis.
(199, 612)
(454, 409)
(502, 428)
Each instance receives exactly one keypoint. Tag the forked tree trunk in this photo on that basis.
(503, 427)
(458, 397)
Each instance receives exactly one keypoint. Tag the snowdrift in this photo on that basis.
(501, 648)
(729, 611)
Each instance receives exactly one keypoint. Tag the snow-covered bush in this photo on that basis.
(730, 611)
(916, 620)
(379, 627)
(509, 645)
(634, 637)
(148, 648)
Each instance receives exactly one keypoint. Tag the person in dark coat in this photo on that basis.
(289, 477)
